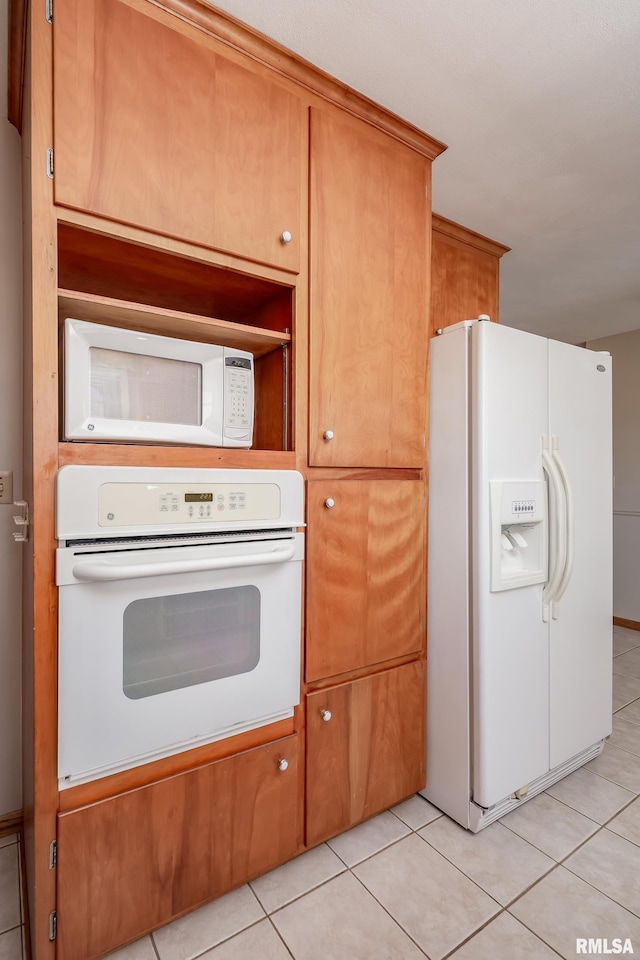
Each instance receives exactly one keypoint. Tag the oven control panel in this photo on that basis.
(152, 504)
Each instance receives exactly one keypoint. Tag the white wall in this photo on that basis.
(10, 441)
(625, 350)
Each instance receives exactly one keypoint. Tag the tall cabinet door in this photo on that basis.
(365, 573)
(370, 224)
(153, 127)
(581, 636)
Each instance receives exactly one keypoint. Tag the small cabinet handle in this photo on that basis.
(285, 236)
(329, 503)
(328, 435)
(326, 715)
(283, 764)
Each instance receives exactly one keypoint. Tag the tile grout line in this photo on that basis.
(153, 945)
(349, 869)
(517, 920)
(397, 922)
(212, 946)
(561, 863)
(522, 892)
(280, 937)
(388, 913)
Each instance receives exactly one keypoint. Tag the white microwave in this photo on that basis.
(122, 385)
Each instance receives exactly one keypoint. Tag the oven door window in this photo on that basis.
(171, 642)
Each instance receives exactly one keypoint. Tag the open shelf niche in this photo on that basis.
(107, 280)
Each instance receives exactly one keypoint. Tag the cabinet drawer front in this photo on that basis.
(369, 753)
(366, 589)
(153, 127)
(135, 861)
(368, 310)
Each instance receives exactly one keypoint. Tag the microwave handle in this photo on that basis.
(103, 570)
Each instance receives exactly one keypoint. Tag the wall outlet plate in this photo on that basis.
(6, 486)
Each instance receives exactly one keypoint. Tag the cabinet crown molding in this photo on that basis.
(254, 44)
(455, 231)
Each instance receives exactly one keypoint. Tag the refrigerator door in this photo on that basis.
(510, 654)
(581, 636)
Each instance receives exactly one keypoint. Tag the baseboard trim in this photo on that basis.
(10, 823)
(621, 622)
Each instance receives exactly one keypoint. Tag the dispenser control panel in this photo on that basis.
(518, 533)
(523, 506)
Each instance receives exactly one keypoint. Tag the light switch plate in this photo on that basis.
(6, 486)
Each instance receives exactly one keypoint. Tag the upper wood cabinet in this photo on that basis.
(366, 588)
(154, 127)
(368, 307)
(465, 274)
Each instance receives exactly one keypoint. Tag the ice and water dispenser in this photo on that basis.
(518, 533)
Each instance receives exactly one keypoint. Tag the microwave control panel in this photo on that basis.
(141, 504)
(238, 397)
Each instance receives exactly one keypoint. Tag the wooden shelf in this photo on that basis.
(172, 323)
(150, 455)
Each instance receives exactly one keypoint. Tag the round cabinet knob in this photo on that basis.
(283, 764)
(328, 435)
(329, 503)
(326, 715)
(285, 236)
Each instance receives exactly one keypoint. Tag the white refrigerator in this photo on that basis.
(520, 567)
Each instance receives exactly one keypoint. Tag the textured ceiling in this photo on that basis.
(539, 103)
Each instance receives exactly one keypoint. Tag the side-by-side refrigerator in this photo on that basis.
(520, 567)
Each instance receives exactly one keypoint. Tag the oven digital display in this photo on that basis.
(198, 498)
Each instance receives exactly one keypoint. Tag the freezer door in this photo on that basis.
(510, 688)
(580, 637)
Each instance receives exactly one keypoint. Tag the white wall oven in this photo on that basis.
(179, 610)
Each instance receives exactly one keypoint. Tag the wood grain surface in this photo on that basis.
(370, 754)
(213, 158)
(138, 860)
(465, 275)
(368, 304)
(366, 590)
(109, 266)
(40, 463)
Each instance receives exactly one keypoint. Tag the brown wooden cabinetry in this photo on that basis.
(365, 748)
(182, 154)
(132, 862)
(366, 551)
(465, 273)
(155, 127)
(368, 312)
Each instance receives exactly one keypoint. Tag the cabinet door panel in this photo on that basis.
(370, 754)
(369, 269)
(464, 283)
(365, 573)
(155, 128)
(131, 863)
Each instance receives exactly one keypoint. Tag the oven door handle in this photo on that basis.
(104, 570)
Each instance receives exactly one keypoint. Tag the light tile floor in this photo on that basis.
(411, 884)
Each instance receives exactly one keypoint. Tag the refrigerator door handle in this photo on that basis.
(570, 530)
(557, 518)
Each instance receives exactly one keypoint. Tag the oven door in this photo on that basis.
(164, 648)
